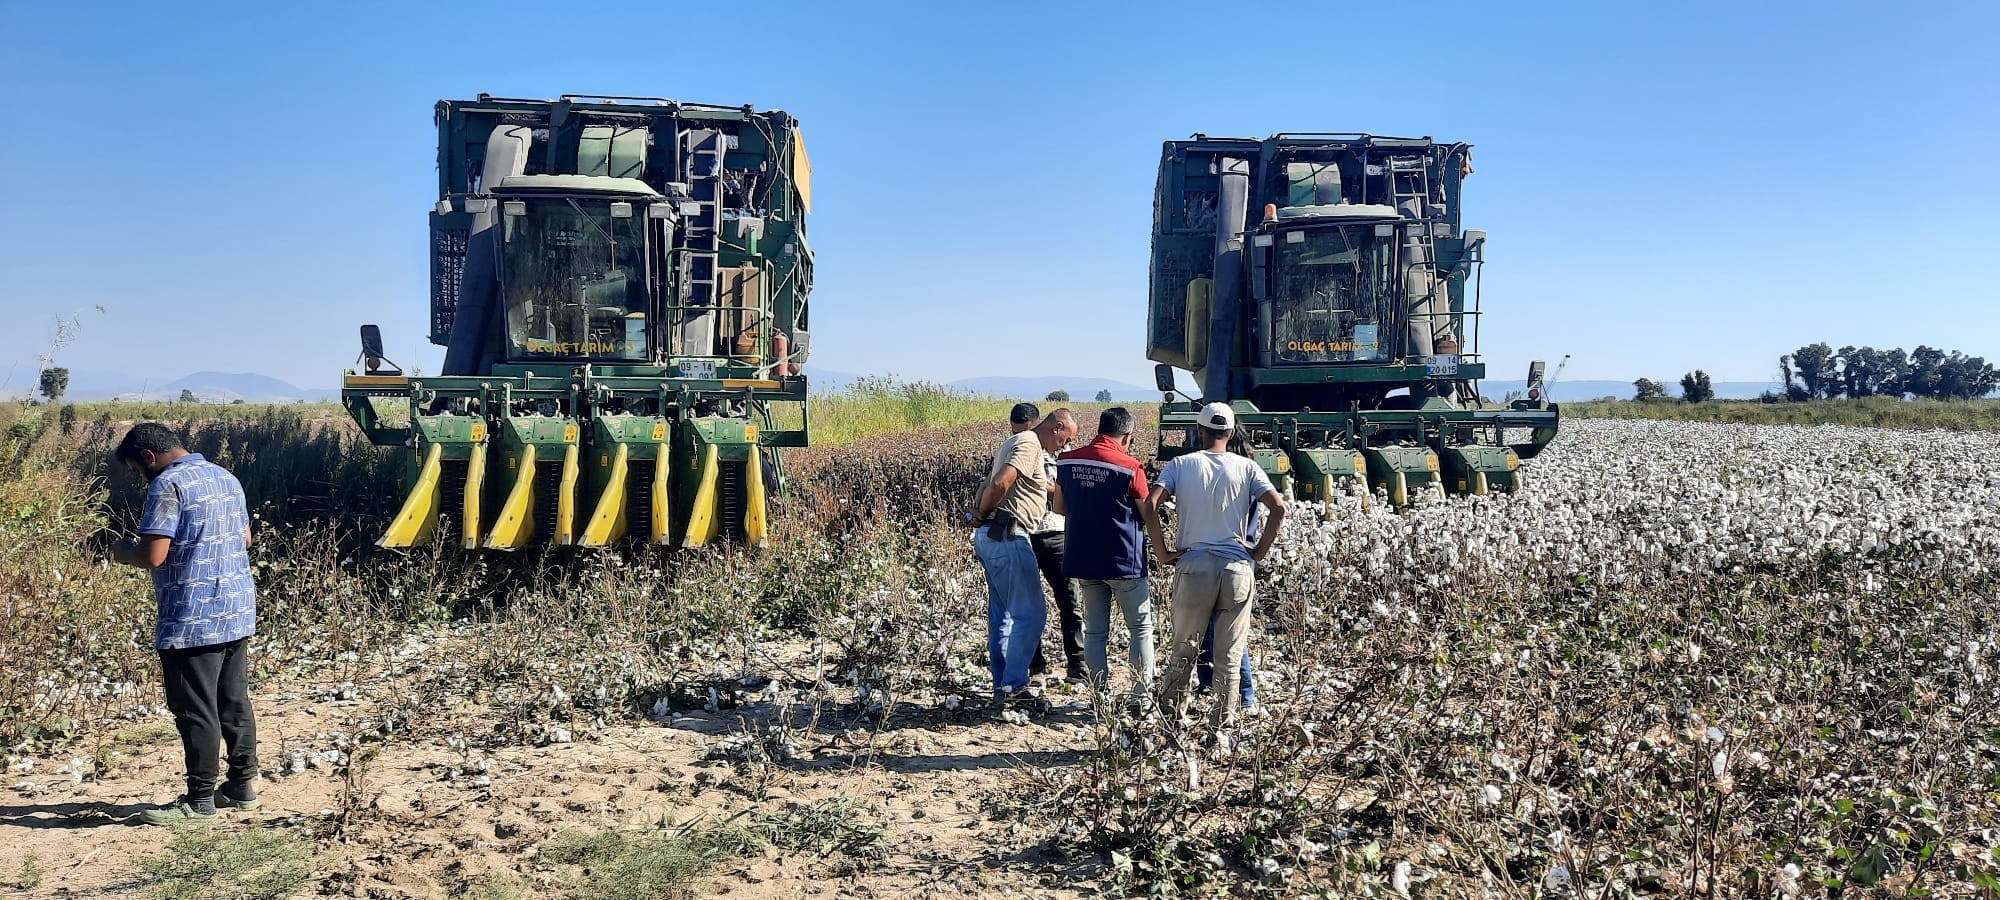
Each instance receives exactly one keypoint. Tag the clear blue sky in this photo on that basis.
(1693, 185)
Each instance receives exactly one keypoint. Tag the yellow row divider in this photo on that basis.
(566, 500)
(517, 524)
(755, 524)
(417, 520)
(475, 482)
(662, 507)
(703, 523)
(607, 522)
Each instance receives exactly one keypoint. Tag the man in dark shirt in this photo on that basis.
(1103, 490)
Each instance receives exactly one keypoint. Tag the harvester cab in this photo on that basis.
(1322, 284)
(620, 285)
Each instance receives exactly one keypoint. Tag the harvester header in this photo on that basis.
(621, 287)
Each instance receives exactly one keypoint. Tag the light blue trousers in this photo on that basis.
(1135, 604)
(1015, 610)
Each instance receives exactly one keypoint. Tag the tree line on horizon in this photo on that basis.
(1819, 372)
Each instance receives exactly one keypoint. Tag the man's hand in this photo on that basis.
(148, 552)
(1168, 557)
(969, 519)
(1274, 520)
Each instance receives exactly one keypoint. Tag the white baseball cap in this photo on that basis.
(1217, 416)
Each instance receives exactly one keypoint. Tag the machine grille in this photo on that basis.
(731, 497)
(451, 498)
(447, 273)
(639, 505)
(548, 488)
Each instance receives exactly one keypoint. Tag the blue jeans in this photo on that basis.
(1015, 610)
(1204, 670)
(1134, 603)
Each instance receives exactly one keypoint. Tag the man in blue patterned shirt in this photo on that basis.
(195, 538)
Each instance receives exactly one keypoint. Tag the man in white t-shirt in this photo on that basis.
(1214, 556)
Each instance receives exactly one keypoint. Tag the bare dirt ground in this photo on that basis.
(427, 817)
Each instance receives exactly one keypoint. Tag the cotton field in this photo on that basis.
(1686, 659)
(1639, 503)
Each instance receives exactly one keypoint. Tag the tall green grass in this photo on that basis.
(174, 411)
(881, 405)
(1878, 412)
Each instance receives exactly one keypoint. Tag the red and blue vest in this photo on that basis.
(1103, 536)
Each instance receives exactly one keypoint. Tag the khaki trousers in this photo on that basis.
(1207, 585)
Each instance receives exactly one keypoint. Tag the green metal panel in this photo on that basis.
(1351, 373)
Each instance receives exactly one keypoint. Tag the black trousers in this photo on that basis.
(1049, 558)
(208, 691)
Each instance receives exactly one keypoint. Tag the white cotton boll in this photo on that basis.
(1788, 880)
(1489, 795)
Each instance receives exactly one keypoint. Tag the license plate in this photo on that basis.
(698, 368)
(1442, 364)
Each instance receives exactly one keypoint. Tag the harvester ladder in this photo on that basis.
(1410, 192)
(701, 241)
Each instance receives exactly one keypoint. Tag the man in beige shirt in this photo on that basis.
(1013, 502)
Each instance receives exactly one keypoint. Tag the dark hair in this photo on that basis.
(1114, 422)
(1239, 443)
(1023, 413)
(1211, 435)
(149, 436)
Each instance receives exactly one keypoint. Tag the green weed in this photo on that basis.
(622, 865)
(30, 876)
(827, 827)
(202, 861)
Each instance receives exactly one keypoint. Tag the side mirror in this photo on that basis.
(371, 349)
(1259, 256)
(1163, 378)
(1537, 388)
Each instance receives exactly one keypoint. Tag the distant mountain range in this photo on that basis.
(208, 387)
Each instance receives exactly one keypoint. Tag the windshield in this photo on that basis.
(1333, 298)
(574, 281)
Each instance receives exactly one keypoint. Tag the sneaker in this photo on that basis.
(1024, 701)
(181, 810)
(243, 798)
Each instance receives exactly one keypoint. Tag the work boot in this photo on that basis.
(237, 795)
(183, 809)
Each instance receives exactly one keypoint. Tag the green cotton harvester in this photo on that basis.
(620, 285)
(1322, 285)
